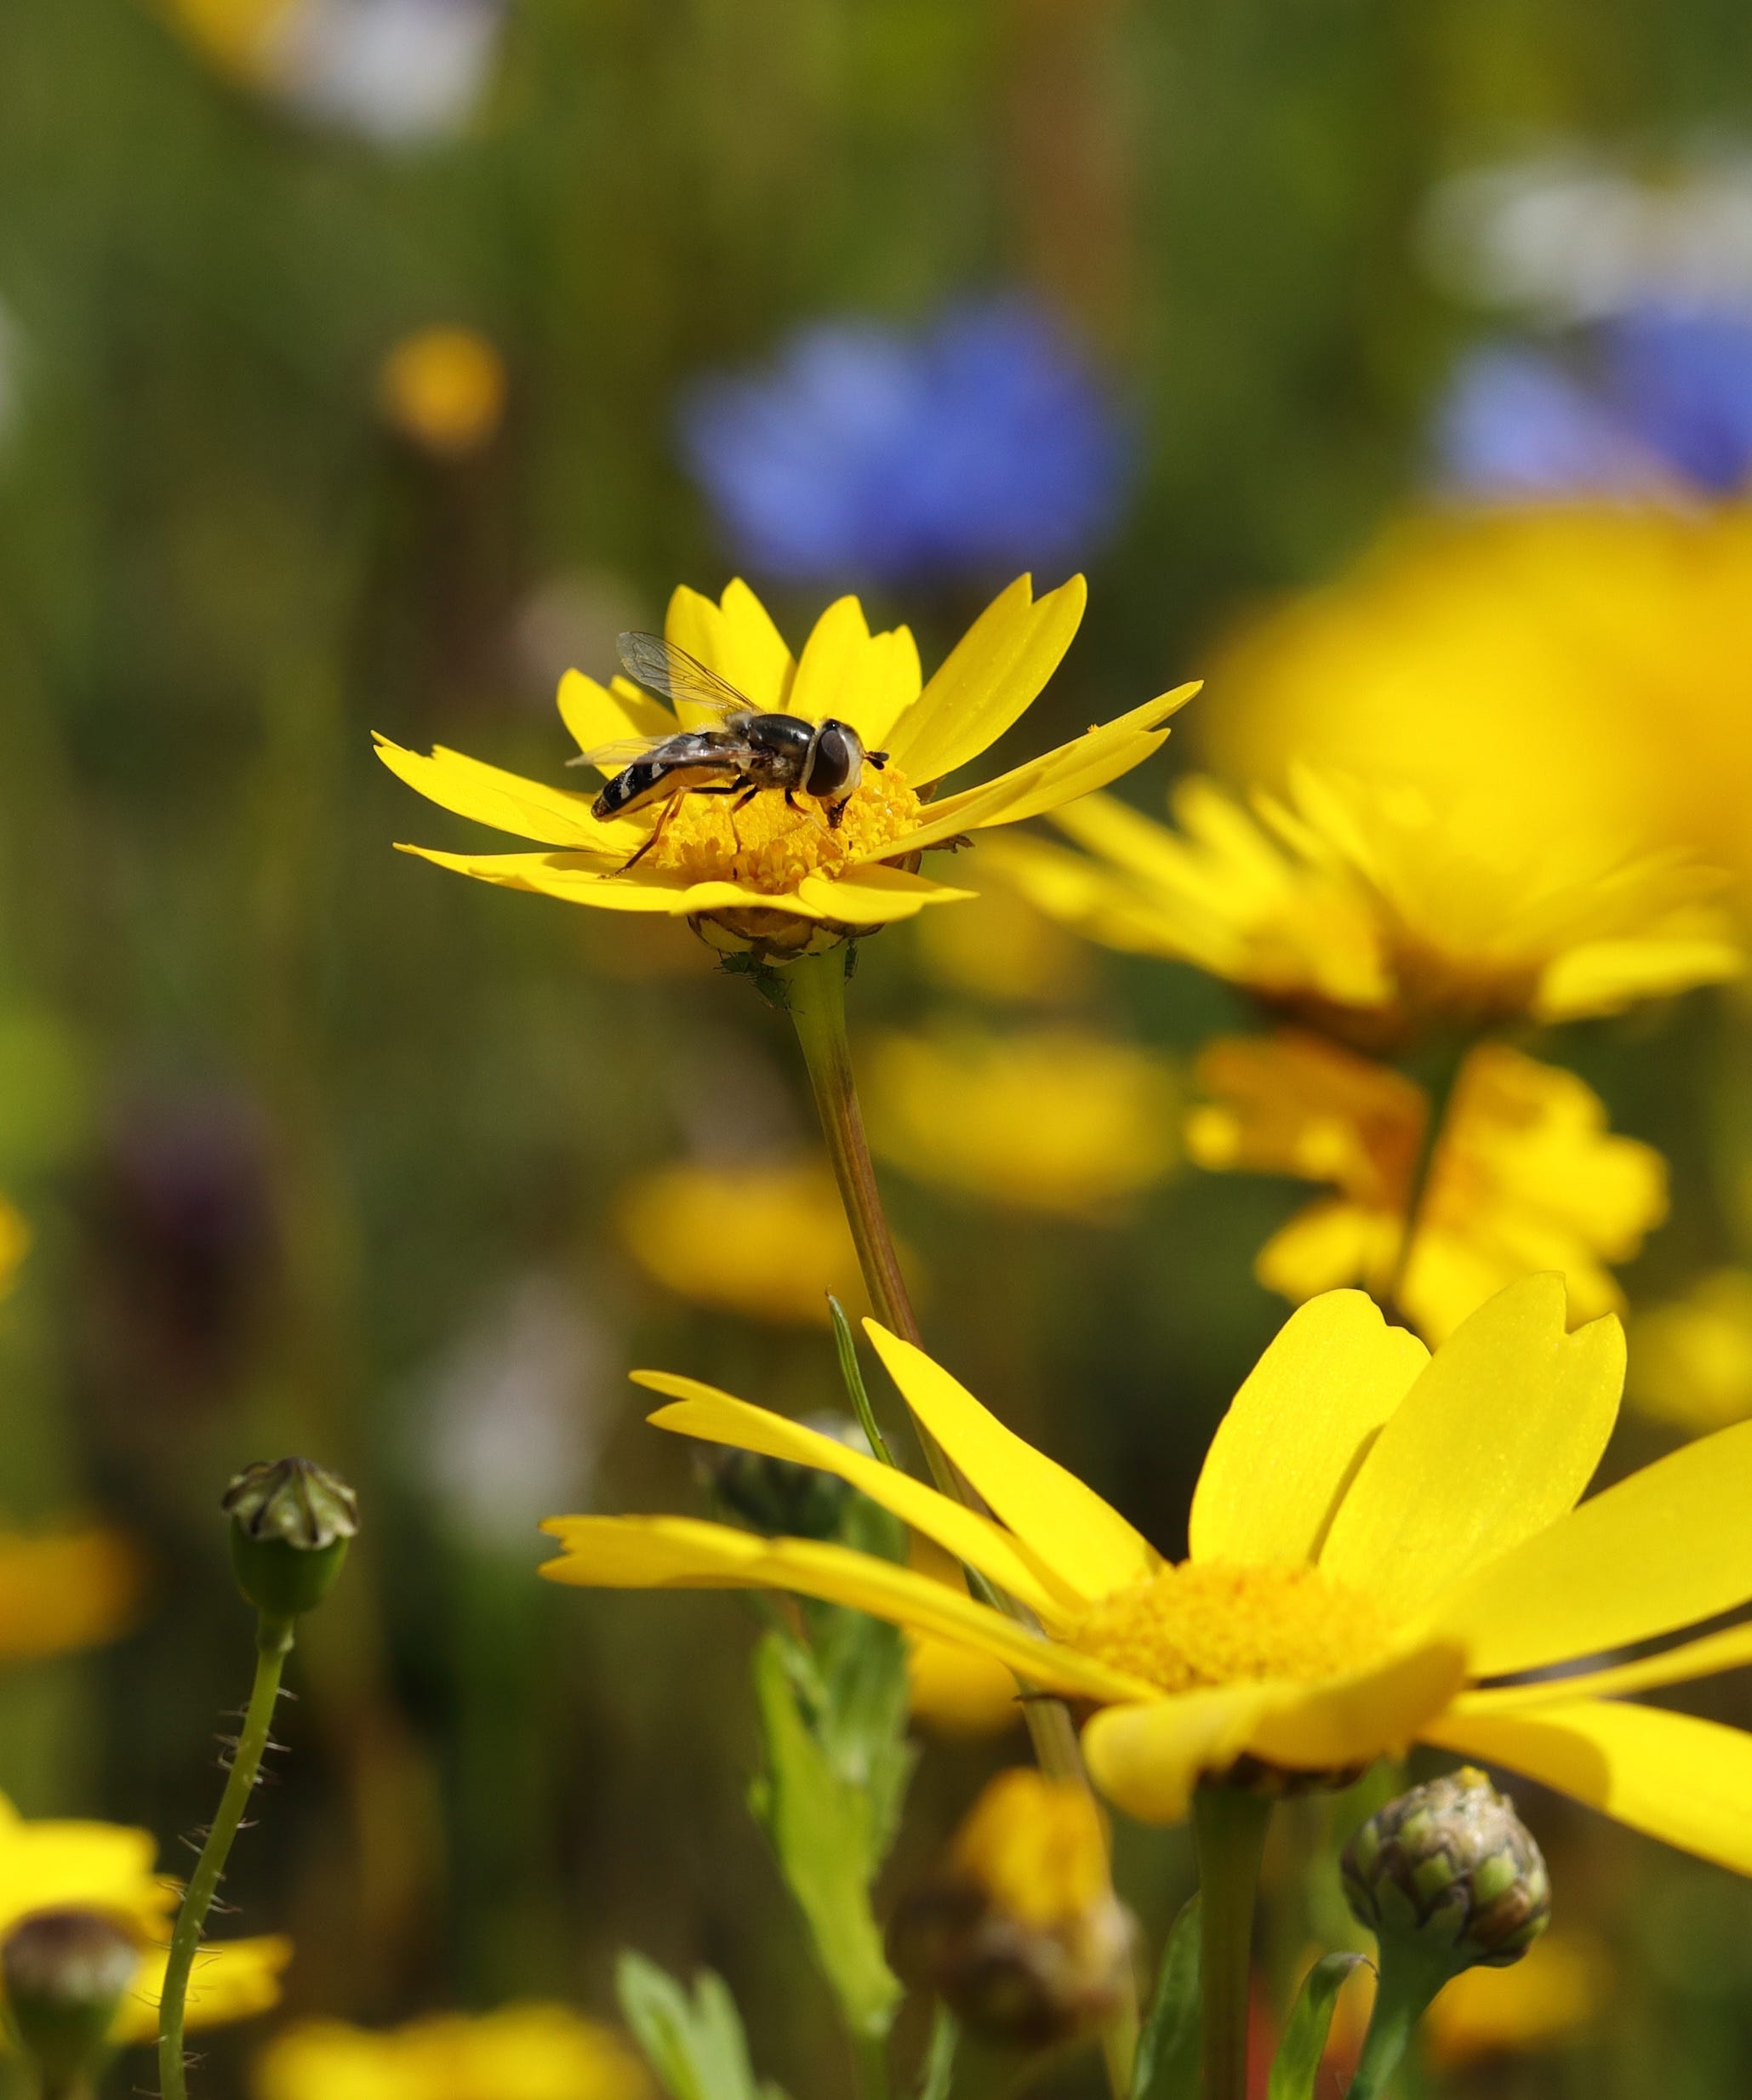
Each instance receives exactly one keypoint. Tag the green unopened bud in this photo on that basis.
(1451, 1868)
(292, 1522)
(66, 1973)
(777, 1494)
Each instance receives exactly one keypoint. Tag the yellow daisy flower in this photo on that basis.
(1059, 1119)
(106, 1867)
(1381, 1540)
(1693, 1362)
(791, 1247)
(443, 388)
(62, 1590)
(520, 2052)
(1526, 1175)
(1377, 913)
(765, 874)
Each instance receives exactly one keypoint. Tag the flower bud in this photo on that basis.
(777, 1494)
(1020, 1933)
(65, 1972)
(1452, 1868)
(292, 1521)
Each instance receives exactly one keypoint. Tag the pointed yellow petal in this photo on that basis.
(737, 640)
(679, 1553)
(506, 800)
(1099, 755)
(1607, 976)
(705, 1413)
(1353, 1720)
(1148, 1759)
(1667, 1548)
(1089, 1545)
(597, 714)
(1685, 1781)
(874, 894)
(1730, 1649)
(575, 879)
(1496, 1440)
(993, 673)
(1297, 1431)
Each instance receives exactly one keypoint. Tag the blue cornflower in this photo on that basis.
(1656, 404)
(983, 445)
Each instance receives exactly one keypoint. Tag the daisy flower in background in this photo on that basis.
(1525, 1176)
(1692, 1367)
(443, 389)
(530, 2051)
(780, 878)
(979, 445)
(1059, 1119)
(1379, 1540)
(1380, 914)
(109, 1870)
(64, 1590)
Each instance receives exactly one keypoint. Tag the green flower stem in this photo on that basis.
(1439, 1075)
(1405, 1993)
(273, 1644)
(1229, 1826)
(815, 997)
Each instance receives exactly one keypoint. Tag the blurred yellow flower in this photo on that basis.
(240, 36)
(955, 1691)
(1693, 1363)
(1059, 1119)
(1377, 1536)
(1375, 912)
(530, 2051)
(1587, 671)
(60, 1590)
(15, 1244)
(999, 946)
(764, 874)
(767, 1242)
(444, 388)
(1525, 1176)
(1035, 1847)
(106, 1867)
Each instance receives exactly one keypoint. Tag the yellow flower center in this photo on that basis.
(770, 846)
(1213, 1622)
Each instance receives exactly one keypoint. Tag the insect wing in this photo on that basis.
(611, 757)
(683, 679)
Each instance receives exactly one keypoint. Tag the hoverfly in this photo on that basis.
(743, 751)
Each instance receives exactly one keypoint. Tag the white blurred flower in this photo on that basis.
(1576, 234)
(517, 1410)
(398, 71)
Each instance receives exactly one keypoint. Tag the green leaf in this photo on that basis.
(696, 2044)
(826, 1801)
(1167, 2066)
(856, 1391)
(939, 2072)
(1297, 2064)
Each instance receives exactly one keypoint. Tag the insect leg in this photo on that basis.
(658, 829)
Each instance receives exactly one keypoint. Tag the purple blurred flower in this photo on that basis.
(984, 445)
(1656, 404)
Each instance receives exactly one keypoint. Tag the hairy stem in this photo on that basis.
(1229, 1825)
(273, 1643)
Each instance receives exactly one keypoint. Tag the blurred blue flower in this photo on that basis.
(982, 445)
(1657, 405)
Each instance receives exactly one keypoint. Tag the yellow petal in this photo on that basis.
(1667, 1547)
(506, 800)
(853, 676)
(1099, 755)
(1296, 1432)
(66, 1590)
(1685, 1781)
(1352, 1720)
(1730, 1649)
(681, 1553)
(1607, 976)
(737, 639)
(990, 676)
(576, 880)
(705, 1413)
(1148, 1759)
(1496, 1440)
(1089, 1545)
(874, 894)
(597, 714)
(231, 1980)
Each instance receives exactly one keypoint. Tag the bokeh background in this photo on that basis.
(1437, 310)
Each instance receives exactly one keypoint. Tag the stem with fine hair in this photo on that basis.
(273, 1644)
(1228, 1827)
(815, 998)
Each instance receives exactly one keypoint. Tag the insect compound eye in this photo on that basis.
(833, 771)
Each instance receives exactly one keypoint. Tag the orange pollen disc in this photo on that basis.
(770, 846)
(1214, 1622)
